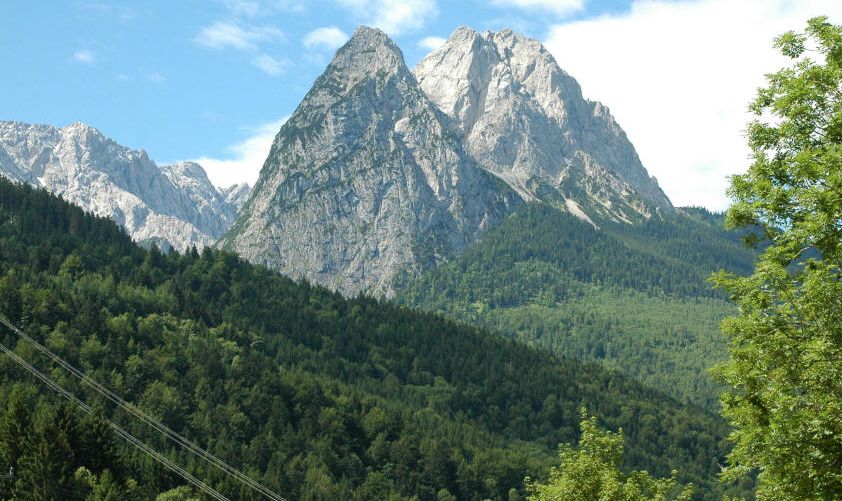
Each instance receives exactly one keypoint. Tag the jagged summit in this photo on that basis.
(236, 195)
(526, 120)
(189, 170)
(174, 205)
(368, 52)
(365, 37)
(367, 180)
(83, 128)
(382, 172)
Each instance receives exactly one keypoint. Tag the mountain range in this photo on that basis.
(382, 172)
(172, 205)
(480, 185)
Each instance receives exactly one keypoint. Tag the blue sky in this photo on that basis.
(184, 78)
(212, 79)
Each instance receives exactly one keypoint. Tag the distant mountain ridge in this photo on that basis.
(382, 173)
(172, 205)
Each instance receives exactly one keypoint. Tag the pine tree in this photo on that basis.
(15, 429)
(46, 467)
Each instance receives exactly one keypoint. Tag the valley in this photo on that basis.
(440, 273)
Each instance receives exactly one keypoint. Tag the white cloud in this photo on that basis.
(558, 7)
(243, 7)
(393, 16)
(328, 37)
(104, 9)
(678, 76)
(228, 35)
(431, 43)
(83, 56)
(156, 77)
(222, 35)
(270, 65)
(254, 8)
(245, 158)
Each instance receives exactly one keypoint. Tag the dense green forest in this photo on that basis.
(632, 297)
(316, 396)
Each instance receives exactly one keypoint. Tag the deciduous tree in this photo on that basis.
(785, 370)
(593, 472)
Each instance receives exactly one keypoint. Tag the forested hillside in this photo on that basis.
(633, 297)
(317, 396)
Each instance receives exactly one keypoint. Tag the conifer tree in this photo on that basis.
(46, 469)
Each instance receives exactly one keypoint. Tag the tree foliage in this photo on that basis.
(631, 297)
(592, 472)
(315, 395)
(785, 371)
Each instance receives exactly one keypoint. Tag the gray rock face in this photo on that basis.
(524, 119)
(236, 195)
(173, 205)
(367, 180)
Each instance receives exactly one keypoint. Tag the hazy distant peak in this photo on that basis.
(189, 169)
(173, 203)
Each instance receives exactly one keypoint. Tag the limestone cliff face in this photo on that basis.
(367, 181)
(174, 205)
(382, 172)
(524, 119)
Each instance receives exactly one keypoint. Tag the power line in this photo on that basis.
(120, 431)
(146, 418)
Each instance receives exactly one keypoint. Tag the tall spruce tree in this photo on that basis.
(46, 467)
(15, 429)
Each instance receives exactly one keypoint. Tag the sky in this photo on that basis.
(213, 80)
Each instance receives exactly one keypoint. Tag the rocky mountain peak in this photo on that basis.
(504, 63)
(91, 137)
(525, 120)
(366, 37)
(172, 206)
(236, 195)
(82, 128)
(369, 52)
(464, 34)
(366, 181)
(189, 169)
(508, 40)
